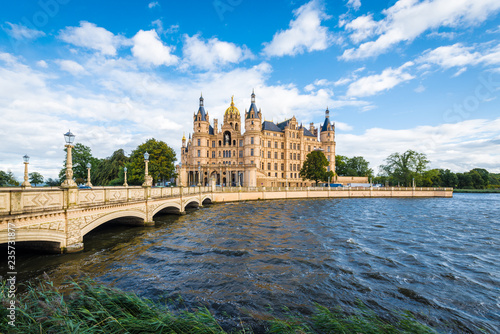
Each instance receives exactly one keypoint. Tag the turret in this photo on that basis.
(232, 117)
(183, 140)
(201, 119)
(253, 118)
(327, 137)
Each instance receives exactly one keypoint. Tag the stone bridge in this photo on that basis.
(62, 217)
(59, 218)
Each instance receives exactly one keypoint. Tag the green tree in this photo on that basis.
(7, 179)
(52, 182)
(109, 171)
(448, 178)
(431, 178)
(464, 181)
(35, 178)
(402, 168)
(314, 168)
(161, 162)
(341, 162)
(82, 155)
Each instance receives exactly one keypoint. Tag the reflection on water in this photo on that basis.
(438, 257)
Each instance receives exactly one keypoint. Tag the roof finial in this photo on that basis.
(327, 113)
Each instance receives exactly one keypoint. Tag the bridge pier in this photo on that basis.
(74, 248)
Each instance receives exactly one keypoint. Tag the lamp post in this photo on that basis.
(26, 183)
(69, 182)
(148, 180)
(180, 174)
(125, 184)
(199, 176)
(88, 184)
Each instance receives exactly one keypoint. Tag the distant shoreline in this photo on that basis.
(477, 191)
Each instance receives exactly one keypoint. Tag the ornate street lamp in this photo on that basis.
(148, 180)
(69, 182)
(26, 183)
(125, 184)
(180, 173)
(88, 184)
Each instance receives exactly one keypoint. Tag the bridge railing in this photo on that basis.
(277, 189)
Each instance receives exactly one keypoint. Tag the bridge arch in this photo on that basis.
(207, 199)
(171, 206)
(36, 235)
(115, 215)
(191, 203)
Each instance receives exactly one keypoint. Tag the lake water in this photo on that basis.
(436, 257)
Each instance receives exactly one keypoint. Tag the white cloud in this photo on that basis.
(450, 56)
(90, 36)
(354, 4)
(18, 31)
(304, 34)
(212, 53)
(373, 84)
(42, 64)
(419, 89)
(71, 66)
(361, 28)
(408, 19)
(153, 4)
(342, 126)
(149, 49)
(445, 145)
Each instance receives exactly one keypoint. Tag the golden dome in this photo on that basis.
(232, 109)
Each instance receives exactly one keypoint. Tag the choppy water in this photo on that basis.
(438, 257)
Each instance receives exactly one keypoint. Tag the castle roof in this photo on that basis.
(270, 126)
(253, 108)
(232, 109)
(201, 110)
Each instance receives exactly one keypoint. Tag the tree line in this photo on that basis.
(110, 171)
(400, 169)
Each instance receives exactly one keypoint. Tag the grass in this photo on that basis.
(89, 307)
(477, 191)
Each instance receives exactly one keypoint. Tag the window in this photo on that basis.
(213, 143)
(229, 154)
(291, 156)
(295, 156)
(328, 149)
(269, 154)
(291, 146)
(298, 156)
(269, 166)
(275, 166)
(282, 145)
(309, 148)
(294, 146)
(208, 143)
(328, 159)
(219, 154)
(220, 143)
(199, 142)
(208, 154)
(298, 146)
(282, 166)
(262, 165)
(213, 154)
(291, 175)
(282, 155)
(290, 166)
(241, 154)
(275, 155)
(199, 153)
(294, 167)
(251, 152)
(251, 140)
(241, 142)
(275, 144)
(269, 143)
(295, 175)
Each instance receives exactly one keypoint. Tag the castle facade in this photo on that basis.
(265, 154)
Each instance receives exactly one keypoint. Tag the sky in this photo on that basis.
(395, 75)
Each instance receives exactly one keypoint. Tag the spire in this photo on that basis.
(201, 109)
(326, 124)
(252, 111)
(183, 136)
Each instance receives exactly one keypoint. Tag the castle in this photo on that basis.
(266, 154)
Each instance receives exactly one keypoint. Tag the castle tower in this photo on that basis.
(252, 138)
(327, 138)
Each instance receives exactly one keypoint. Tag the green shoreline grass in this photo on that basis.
(477, 191)
(90, 307)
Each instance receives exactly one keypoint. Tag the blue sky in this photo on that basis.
(398, 75)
